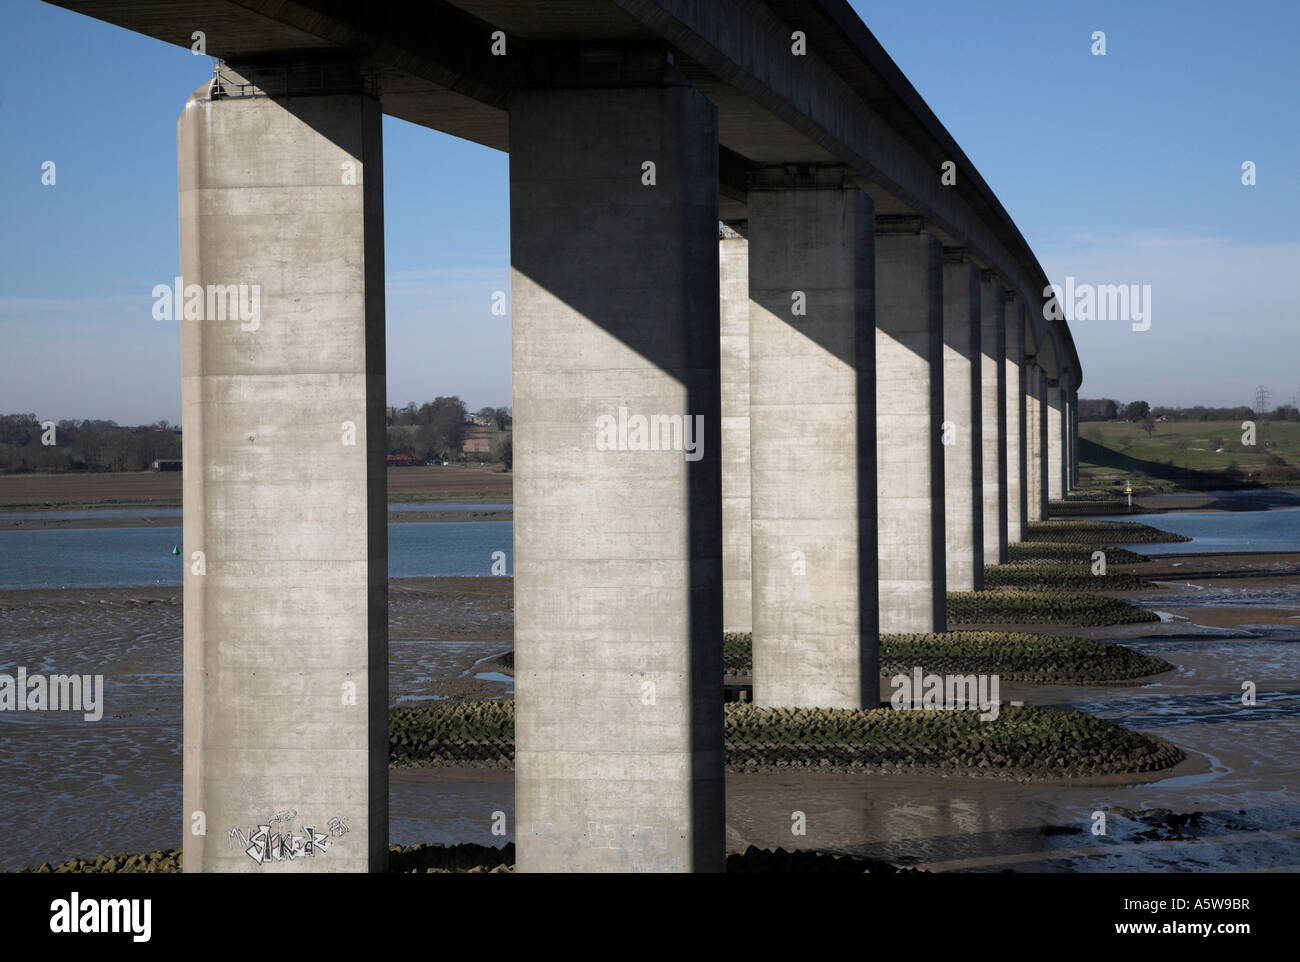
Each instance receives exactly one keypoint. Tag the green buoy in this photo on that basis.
(176, 549)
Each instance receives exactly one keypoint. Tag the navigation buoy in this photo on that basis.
(176, 549)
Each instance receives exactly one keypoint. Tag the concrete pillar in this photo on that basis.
(285, 522)
(1074, 437)
(1035, 390)
(1054, 440)
(1067, 436)
(813, 445)
(733, 275)
(1017, 427)
(993, 417)
(909, 412)
(618, 528)
(963, 439)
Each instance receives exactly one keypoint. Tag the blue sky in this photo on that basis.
(1117, 169)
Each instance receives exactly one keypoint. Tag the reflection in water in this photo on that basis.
(1238, 810)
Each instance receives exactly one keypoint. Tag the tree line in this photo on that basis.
(1106, 409)
(28, 444)
(435, 430)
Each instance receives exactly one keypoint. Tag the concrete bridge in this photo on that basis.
(859, 357)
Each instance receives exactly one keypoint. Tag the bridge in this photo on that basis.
(781, 362)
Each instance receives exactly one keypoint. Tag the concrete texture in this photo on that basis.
(1074, 437)
(993, 417)
(286, 665)
(1054, 437)
(909, 412)
(1033, 443)
(813, 442)
(963, 410)
(618, 553)
(733, 278)
(1017, 426)
(1035, 440)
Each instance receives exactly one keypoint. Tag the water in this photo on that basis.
(1220, 531)
(112, 557)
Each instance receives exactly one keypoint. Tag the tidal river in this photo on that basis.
(107, 601)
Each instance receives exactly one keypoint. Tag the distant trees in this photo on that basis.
(1136, 410)
(87, 445)
(1099, 409)
(436, 430)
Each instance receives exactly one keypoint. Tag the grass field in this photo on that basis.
(1194, 454)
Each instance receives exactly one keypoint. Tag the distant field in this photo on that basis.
(1110, 450)
(163, 488)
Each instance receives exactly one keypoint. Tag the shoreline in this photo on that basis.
(146, 520)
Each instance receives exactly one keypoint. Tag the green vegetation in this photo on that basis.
(1099, 533)
(1055, 577)
(1017, 656)
(1065, 552)
(1016, 606)
(1191, 453)
(476, 734)
(28, 444)
(1014, 656)
(1023, 741)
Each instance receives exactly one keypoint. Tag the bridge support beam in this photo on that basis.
(1055, 440)
(618, 523)
(963, 410)
(733, 273)
(1036, 439)
(285, 522)
(993, 418)
(1017, 423)
(813, 440)
(1074, 437)
(909, 412)
(1067, 430)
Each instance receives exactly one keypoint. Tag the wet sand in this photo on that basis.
(115, 785)
(73, 788)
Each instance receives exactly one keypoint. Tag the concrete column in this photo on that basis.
(618, 522)
(909, 412)
(285, 522)
(963, 439)
(733, 274)
(1017, 427)
(993, 417)
(1067, 437)
(1054, 440)
(1044, 459)
(1074, 437)
(813, 444)
(1035, 415)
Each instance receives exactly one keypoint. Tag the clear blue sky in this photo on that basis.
(1117, 169)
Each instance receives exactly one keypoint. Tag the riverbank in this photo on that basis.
(158, 489)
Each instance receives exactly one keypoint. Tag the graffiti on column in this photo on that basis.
(263, 845)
